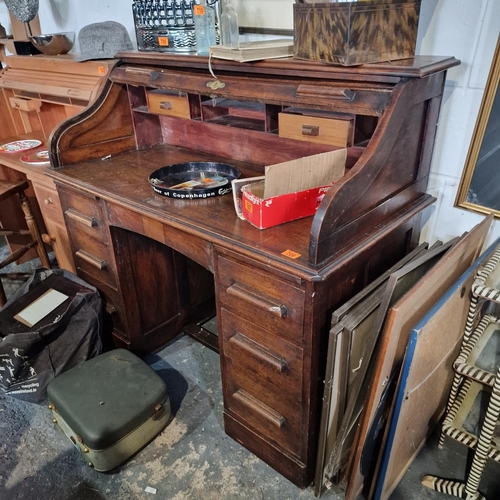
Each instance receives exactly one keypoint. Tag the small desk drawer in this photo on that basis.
(266, 417)
(332, 131)
(83, 216)
(276, 365)
(49, 203)
(163, 102)
(273, 304)
(87, 206)
(93, 257)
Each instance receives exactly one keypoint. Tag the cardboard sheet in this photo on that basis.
(304, 173)
(41, 307)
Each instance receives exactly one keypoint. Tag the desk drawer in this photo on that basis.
(163, 102)
(48, 199)
(273, 304)
(83, 216)
(275, 365)
(333, 131)
(249, 405)
(93, 257)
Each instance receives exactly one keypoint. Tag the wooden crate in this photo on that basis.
(351, 33)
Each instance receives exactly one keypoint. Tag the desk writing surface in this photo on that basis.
(123, 179)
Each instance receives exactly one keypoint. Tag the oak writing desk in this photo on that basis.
(163, 264)
(36, 94)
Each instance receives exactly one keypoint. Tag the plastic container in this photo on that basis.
(229, 27)
(204, 23)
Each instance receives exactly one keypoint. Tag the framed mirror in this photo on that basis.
(479, 188)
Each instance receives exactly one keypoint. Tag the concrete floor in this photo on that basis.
(191, 459)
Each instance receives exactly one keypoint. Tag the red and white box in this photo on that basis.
(290, 190)
(267, 212)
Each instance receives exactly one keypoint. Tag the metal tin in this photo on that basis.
(194, 180)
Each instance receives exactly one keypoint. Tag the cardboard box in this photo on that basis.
(267, 212)
(351, 33)
(289, 190)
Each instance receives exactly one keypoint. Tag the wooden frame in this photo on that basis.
(346, 321)
(434, 342)
(478, 187)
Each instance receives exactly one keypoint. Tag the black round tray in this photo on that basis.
(194, 180)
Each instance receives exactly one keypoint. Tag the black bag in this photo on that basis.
(30, 357)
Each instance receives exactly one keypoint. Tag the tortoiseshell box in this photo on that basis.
(352, 33)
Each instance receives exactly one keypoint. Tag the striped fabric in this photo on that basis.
(485, 438)
(479, 287)
(453, 488)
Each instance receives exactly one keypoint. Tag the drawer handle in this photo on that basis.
(310, 130)
(259, 407)
(241, 292)
(93, 261)
(319, 91)
(81, 218)
(259, 351)
(165, 105)
(143, 72)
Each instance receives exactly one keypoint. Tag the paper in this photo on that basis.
(41, 307)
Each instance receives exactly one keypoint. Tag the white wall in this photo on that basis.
(466, 29)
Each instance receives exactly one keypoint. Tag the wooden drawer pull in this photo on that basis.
(81, 218)
(142, 72)
(259, 351)
(241, 292)
(329, 92)
(165, 105)
(310, 130)
(93, 261)
(259, 407)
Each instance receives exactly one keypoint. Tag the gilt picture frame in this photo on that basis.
(479, 188)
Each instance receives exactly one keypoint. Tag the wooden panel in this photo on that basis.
(314, 129)
(197, 249)
(8, 125)
(271, 90)
(426, 378)
(108, 130)
(253, 146)
(398, 146)
(394, 339)
(50, 116)
(287, 465)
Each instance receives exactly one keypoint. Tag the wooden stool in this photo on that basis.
(8, 189)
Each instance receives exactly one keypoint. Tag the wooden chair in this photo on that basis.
(12, 188)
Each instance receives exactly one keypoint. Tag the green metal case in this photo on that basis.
(110, 407)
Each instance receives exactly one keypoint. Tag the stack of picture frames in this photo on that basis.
(389, 368)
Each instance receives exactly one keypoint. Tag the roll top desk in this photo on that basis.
(164, 265)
